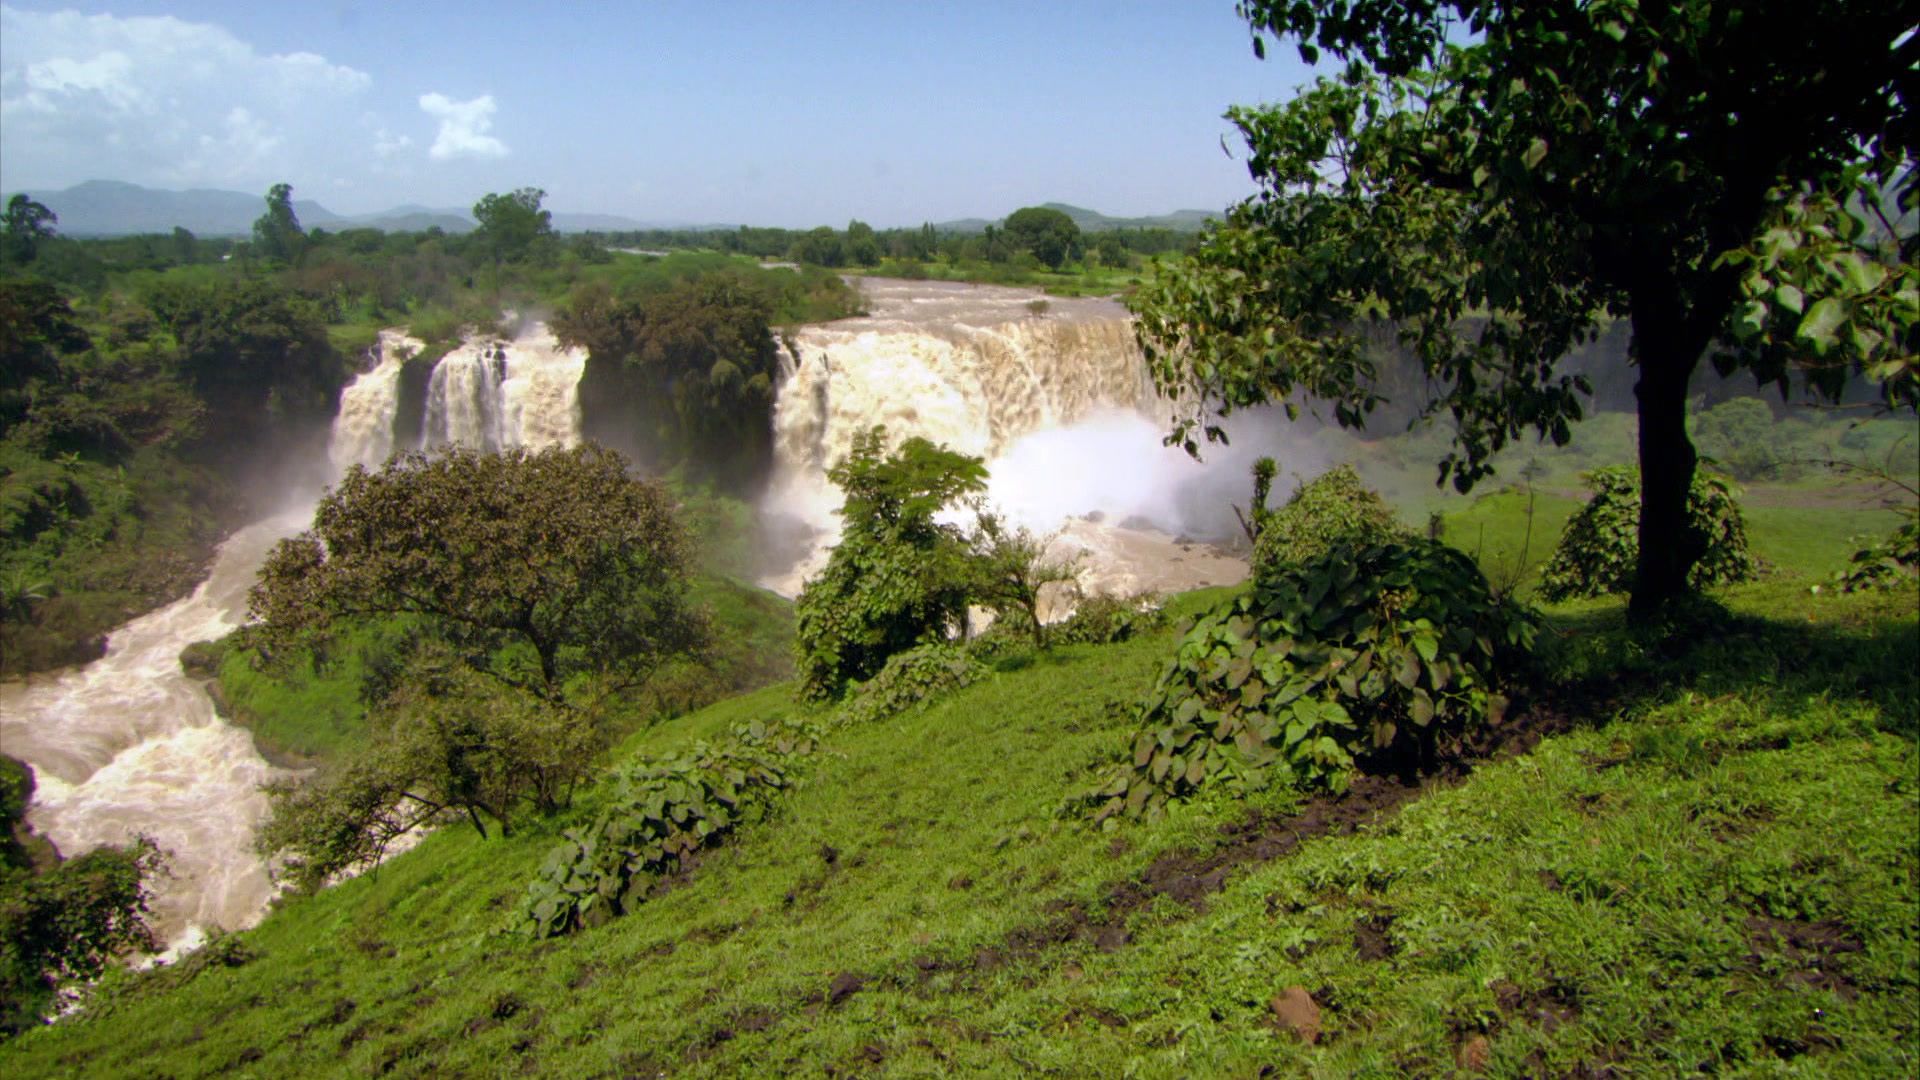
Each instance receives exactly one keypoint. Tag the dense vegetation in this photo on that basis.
(149, 385)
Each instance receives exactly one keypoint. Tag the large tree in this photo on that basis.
(24, 225)
(536, 567)
(531, 588)
(510, 224)
(1500, 179)
(1048, 234)
(277, 232)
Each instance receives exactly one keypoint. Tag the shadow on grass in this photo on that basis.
(1786, 642)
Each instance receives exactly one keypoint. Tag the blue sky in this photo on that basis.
(779, 114)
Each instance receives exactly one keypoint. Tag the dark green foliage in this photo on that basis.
(897, 578)
(1105, 620)
(277, 233)
(661, 814)
(1598, 553)
(558, 553)
(536, 586)
(1336, 508)
(910, 679)
(1047, 234)
(1387, 650)
(1742, 438)
(682, 372)
(61, 922)
(1890, 561)
(255, 351)
(26, 225)
(512, 226)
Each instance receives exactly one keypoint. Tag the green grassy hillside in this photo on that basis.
(1701, 862)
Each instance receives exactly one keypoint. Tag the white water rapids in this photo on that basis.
(129, 745)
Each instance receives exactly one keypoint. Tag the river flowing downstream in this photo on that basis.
(129, 745)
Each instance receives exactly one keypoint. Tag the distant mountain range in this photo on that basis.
(113, 208)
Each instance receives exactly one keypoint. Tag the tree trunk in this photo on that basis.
(1667, 350)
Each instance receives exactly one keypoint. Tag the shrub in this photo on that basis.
(1598, 552)
(1335, 508)
(1104, 620)
(1885, 563)
(1386, 650)
(1742, 437)
(662, 813)
(912, 678)
(897, 578)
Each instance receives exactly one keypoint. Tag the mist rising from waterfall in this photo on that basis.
(1053, 393)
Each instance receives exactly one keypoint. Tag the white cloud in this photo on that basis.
(463, 127)
(160, 100)
(387, 144)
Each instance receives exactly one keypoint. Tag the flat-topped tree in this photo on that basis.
(1736, 180)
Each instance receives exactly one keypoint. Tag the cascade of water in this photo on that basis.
(1056, 397)
(129, 745)
(490, 394)
(363, 431)
(463, 398)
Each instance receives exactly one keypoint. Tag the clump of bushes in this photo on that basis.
(898, 578)
(1107, 620)
(1335, 508)
(662, 813)
(911, 678)
(1385, 650)
(1598, 552)
(1885, 563)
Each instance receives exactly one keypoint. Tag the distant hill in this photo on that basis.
(1095, 221)
(113, 208)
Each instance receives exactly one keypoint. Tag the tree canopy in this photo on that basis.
(277, 232)
(1718, 175)
(538, 567)
(1050, 235)
(26, 223)
(531, 587)
(510, 224)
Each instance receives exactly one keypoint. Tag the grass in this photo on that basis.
(1712, 871)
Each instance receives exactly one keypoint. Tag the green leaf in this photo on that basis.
(1536, 153)
(1422, 708)
(1820, 323)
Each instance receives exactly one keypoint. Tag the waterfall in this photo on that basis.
(363, 432)
(1053, 393)
(491, 394)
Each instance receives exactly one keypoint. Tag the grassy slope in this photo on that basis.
(1717, 872)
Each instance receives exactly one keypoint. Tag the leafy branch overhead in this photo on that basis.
(1735, 180)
